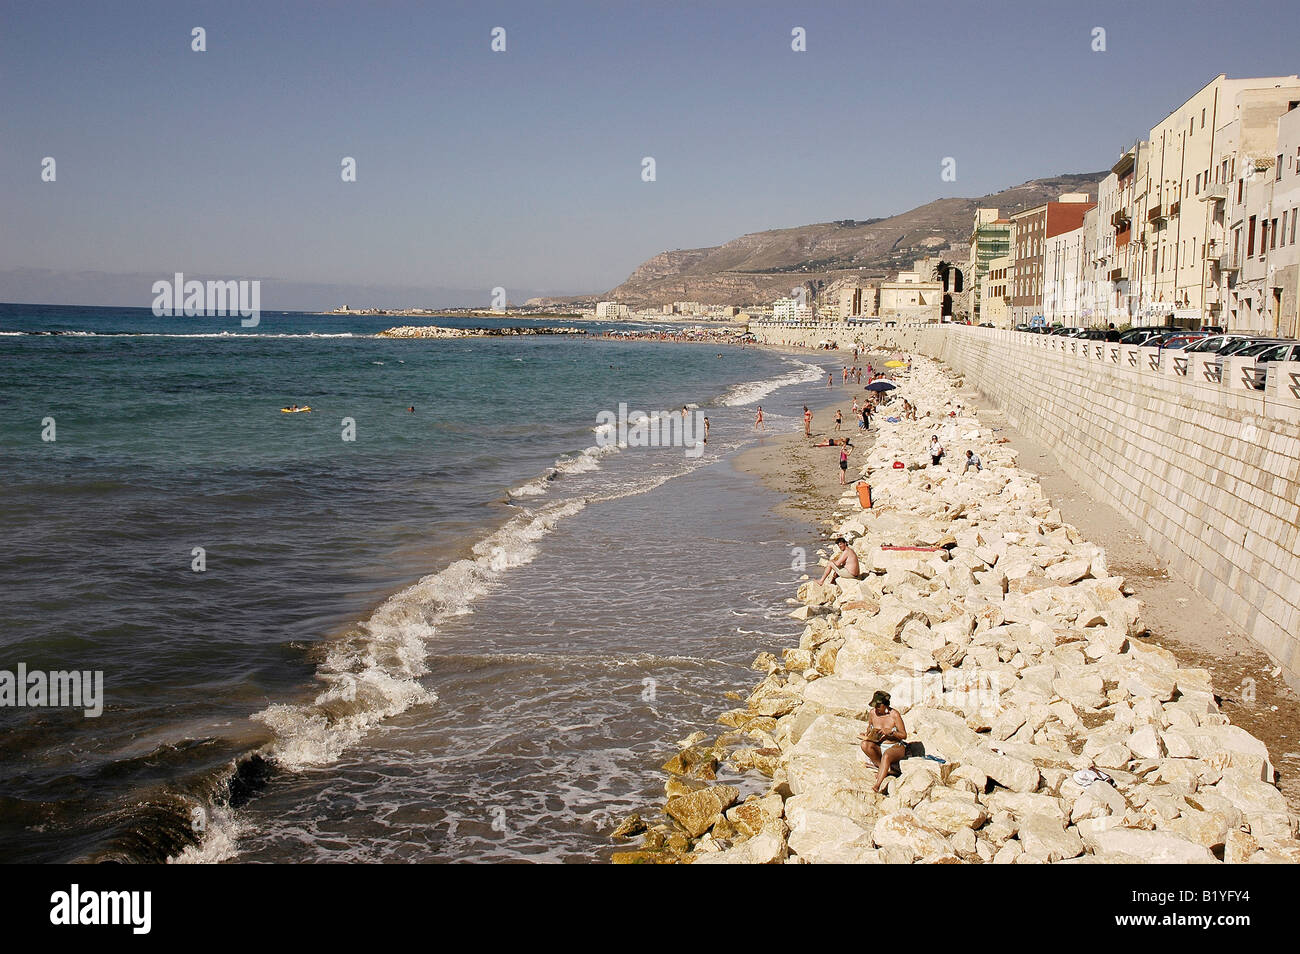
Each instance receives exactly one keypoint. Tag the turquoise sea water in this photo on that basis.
(370, 610)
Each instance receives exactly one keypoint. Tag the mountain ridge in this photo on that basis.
(760, 266)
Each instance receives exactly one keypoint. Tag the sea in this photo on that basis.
(441, 617)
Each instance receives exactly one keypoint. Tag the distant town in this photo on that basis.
(1194, 226)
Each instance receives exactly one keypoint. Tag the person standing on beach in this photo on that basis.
(844, 460)
(758, 421)
(839, 418)
(830, 381)
(706, 428)
(936, 451)
(807, 421)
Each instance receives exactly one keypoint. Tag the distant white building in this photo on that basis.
(790, 309)
(612, 310)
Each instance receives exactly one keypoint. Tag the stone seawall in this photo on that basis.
(1205, 466)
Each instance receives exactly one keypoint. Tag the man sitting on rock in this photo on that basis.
(844, 563)
(973, 460)
(883, 743)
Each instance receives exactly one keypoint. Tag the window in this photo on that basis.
(1278, 176)
(1202, 118)
(1272, 234)
(1198, 183)
(1284, 228)
(1263, 238)
(1250, 237)
(1293, 218)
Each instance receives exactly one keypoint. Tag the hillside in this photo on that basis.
(765, 265)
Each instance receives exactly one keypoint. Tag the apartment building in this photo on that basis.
(1066, 270)
(990, 238)
(1285, 262)
(1183, 164)
(1243, 212)
(995, 294)
(1032, 228)
(1114, 253)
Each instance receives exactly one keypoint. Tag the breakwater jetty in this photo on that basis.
(439, 331)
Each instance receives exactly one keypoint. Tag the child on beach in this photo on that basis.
(839, 418)
(844, 460)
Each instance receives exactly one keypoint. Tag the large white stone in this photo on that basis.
(1153, 847)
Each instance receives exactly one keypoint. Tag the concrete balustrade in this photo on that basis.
(1205, 465)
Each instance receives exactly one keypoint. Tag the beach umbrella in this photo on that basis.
(895, 364)
(879, 386)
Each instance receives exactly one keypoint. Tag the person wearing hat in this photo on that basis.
(883, 742)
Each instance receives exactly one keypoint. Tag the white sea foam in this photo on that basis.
(750, 392)
(583, 462)
(220, 838)
(373, 673)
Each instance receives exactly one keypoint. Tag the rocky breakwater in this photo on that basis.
(1043, 726)
(438, 331)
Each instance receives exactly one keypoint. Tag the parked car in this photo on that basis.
(1253, 348)
(1176, 340)
(1139, 336)
(1266, 353)
(1215, 343)
(1093, 334)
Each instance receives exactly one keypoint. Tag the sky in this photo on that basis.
(522, 169)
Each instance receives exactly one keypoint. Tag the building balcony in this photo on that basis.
(1119, 220)
(1174, 207)
(1228, 262)
(1156, 214)
(1215, 193)
(1115, 275)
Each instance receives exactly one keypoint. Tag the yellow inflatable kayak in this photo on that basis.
(293, 410)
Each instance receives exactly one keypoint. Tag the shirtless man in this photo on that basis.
(886, 753)
(844, 563)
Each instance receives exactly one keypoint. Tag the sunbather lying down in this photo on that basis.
(844, 563)
(883, 743)
(834, 442)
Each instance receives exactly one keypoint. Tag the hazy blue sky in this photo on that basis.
(523, 169)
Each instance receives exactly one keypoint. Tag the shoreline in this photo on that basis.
(812, 699)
